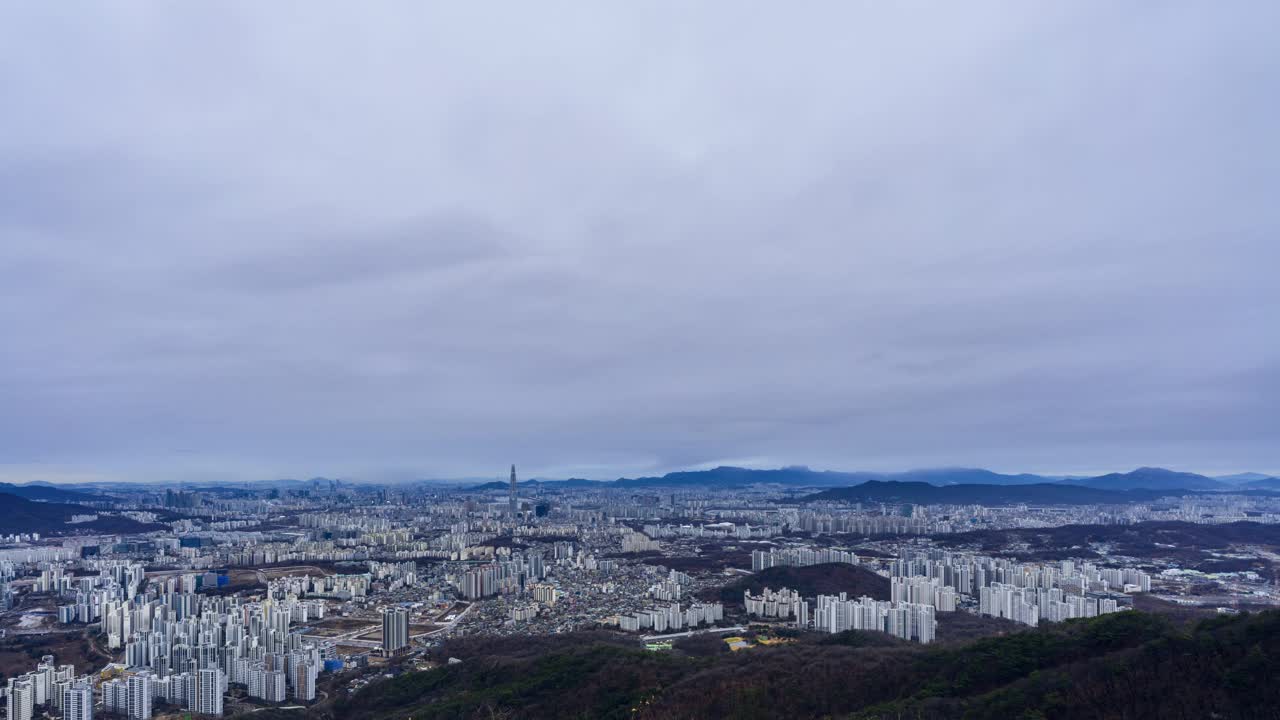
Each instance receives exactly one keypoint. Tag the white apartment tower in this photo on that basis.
(21, 700)
(139, 694)
(209, 692)
(77, 702)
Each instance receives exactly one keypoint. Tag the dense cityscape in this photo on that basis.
(219, 600)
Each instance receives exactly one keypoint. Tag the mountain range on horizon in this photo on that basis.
(797, 476)
(1148, 478)
(897, 491)
(49, 517)
(40, 507)
(46, 492)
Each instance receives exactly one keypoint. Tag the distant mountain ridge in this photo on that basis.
(893, 491)
(47, 493)
(795, 476)
(20, 515)
(1245, 477)
(1153, 479)
(1252, 480)
(803, 477)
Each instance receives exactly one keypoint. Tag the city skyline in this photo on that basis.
(358, 602)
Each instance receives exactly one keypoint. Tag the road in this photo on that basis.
(285, 570)
(350, 638)
(346, 636)
(687, 633)
(451, 624)
(93, 643)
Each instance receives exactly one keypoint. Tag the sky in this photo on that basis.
(389, 241)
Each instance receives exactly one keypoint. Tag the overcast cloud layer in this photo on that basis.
(257, 240)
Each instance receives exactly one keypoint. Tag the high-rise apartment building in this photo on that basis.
(77, 702)
(395, 630)
(209, 692)
(22, 699)
(138, 693)
(304, 683)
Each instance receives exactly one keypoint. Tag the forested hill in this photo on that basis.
(1125, 665)
(1037, 494)
(24, 516)
(811, 580)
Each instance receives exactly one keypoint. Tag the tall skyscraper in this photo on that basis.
(395, 630)
(514, 503)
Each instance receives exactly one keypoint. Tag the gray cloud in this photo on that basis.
(407, 241)
(332, 257)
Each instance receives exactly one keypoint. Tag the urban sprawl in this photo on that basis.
(232, 599)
